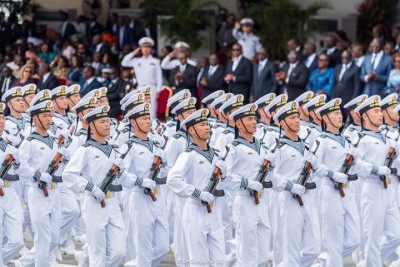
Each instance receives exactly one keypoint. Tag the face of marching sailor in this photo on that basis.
(374, 116)
(104, 101)
(2, 123)
(73, 100)
(17, 103)
(200, 130)
(43, 120)
(61, 102)
(142, 123)
(335, 118)
(247, 124)
(101, 127)
(390, 115)
(291, 123)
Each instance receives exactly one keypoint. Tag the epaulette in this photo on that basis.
(171, 124)
(176, 136)
(322, 135)
(235, 143)
(188, 149)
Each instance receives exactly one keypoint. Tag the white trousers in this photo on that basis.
(204, 235)
(69, 212)
(105, 232)
(300, 230)
(253, 230)
(10, 225)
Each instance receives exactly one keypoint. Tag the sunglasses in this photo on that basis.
(322, 60)
(235, 49)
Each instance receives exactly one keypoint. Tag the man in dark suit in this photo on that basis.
(47, 80)
(331, 50)
(239, 73)
(347, 79)
(375, 69)
(212, 78)
(310, 58)
(184, 75)
(293, 77)
(91, 81)
(123, 34)
(6, 80)
(116, 91)
(94, 27)
(263, 76)
(294, 45)
(66, 28)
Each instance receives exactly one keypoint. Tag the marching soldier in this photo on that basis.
(251, 219)
(28, 92)
(222, 121)
(379, 211)
(171, 104)
(301, 100)
(61, 121)
(85, 172)
(73, 95)
(263, 119)
(203, 231)
(315, 125)
(147, 202)
(273, 130)
(300, 225)
(36, 153)
(15, 122)
(207, 104)
(340, 222)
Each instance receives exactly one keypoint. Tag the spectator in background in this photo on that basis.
(239, 73)
(83, 52)
(169, 62)
(91, 82)
(310, 56)
(60, 67)
(25, 76)
(389, 48)
(66, 28)
(123, 34)
(225, 38)
(97, 63)
(94, 27)
(45, 54)
(184, 76)
(358, 53)
(243, 32)
(375, 69)
(294, 45)
(47, 80)
(203, 63)
(116, 91)
(6, 80)
(81, 25)
(15, 65)
(331, 50)
(347, 79)
(98, 45)
(75, 74)
(212, 78)
(263, 76)
(393, 83)
(293, 77)
(322, 79)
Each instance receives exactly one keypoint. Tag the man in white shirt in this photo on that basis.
(250, 42)
(171, 61)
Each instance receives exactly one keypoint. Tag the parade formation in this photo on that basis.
(220, 183)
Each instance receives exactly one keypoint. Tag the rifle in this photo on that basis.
(213, 182)
(7, 163)
(111, 175)
(346, 166)
(262, 173)
(305, 174)
(55, 163)
(154, 170)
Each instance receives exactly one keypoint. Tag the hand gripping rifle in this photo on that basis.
(213, 182)
(346, 166)
(388, 163)
(7, 163)
(154, 170)
(55, 163)
(305, 174)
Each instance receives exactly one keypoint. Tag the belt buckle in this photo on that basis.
(6, 183)
(53, 186)
(108, 195)
(389, 180)
(156, 191)
(345, 185)
(259, 195)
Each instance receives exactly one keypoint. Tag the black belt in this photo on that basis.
(115, 188)
(310, 186)
(267, 184)
(56, 179)
(11, 178)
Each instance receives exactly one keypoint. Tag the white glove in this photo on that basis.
(1, 182)
(255, 185)
(98, 194)
(310, 157)
(206, 196)
(45, 177)
(113, 142)
(64, 132)
(354, 152)
(298, 189)
(148, 183)
(120, 163)
(340, 177)
(270, 157)
(160, 153)
(65, 152)
(14, 153)
(395, 145)
(222, 166)
(15, 140)
(383, 170)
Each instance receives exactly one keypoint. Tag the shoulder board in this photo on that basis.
(188, 149)
(176, 136)
(86, 144)
(235, 143)
(125, 130)
(322, 135)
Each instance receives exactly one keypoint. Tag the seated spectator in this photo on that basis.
(321, 80)
(45, 54)
(25, 76)
(15, 65)
(393, 83)
(75, 75)
(60, 67)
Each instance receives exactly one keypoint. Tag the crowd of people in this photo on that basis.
(259, 162)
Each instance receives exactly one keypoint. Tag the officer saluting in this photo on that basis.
(147, 69)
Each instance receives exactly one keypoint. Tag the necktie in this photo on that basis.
(291, 67)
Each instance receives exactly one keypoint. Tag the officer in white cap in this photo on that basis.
(189, 177)
(147, 69)
(340, 220)
(11, 212)
(222, 121)
(243, 32)
(84, 173)
(170, 61)
(288, 162)
(380, 212)
(36, 153)
(148, 215)
(207, 104)
(251, 219)
(301, 100)
(263, 119)
(315, 124)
